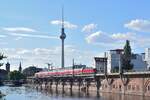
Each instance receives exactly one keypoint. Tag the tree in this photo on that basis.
(20, 68)
(30, 71)
(1, 64)
(1, 58)
(126, 57)
(16, 75)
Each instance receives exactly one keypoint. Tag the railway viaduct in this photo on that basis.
(136, 83)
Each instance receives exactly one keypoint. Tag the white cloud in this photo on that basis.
(98, 37)
(20, 35)
(22, 51)
(3, 43)
(21, 32)
(66, 24)
(18, 29)
(18, 38)
(89, 28)
(123, 36)
(139, 25)
(102, 37)
(40, 56)
(117, 40)
(3, 36)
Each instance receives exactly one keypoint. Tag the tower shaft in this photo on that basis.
(62, 56)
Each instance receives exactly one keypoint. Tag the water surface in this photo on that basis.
(27, 93)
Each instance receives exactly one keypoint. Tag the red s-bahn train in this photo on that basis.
(66, 71)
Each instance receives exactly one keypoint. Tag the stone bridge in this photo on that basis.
(136, 83)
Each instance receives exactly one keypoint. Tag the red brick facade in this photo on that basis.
(137, 86)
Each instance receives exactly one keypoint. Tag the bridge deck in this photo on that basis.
(101, 75)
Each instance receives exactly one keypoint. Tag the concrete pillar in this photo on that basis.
(63, 85)
(79, 85)
(46, 85)
(125, 88)
(120, 65)
(143, 87)
(41, 85)
(98, 84)
(87, 86)
(51, 83)
(56, 83)
(71, 84)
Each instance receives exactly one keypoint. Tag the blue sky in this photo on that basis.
(30, 29)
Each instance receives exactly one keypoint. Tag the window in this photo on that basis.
(134, 56)
(129, 87)
(133, 87)
(119, 87)
(148, 88)
(105, 86)
(137, 87)
(113, 86)
(102, 86)
(116, 86)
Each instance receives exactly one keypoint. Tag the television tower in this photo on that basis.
(62, 37)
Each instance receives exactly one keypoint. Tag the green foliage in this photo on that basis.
(1, 58)
(16, 75)
(30, 71)
(126, 57)
(20, 68)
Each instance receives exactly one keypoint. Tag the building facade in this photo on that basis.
(147, 57)
(113, 59)
(100, 64)
(8, 67)
(139, 64)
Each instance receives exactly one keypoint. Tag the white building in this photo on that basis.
(114, 60)
(100, 64)
(147, 57)
(139, 64)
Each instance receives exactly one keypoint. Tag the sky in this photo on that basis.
(30, 30)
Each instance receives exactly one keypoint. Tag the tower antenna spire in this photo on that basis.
(62, 17)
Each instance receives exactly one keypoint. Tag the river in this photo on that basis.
(27, 93)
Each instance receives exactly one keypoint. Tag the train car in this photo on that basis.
(66, 71)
